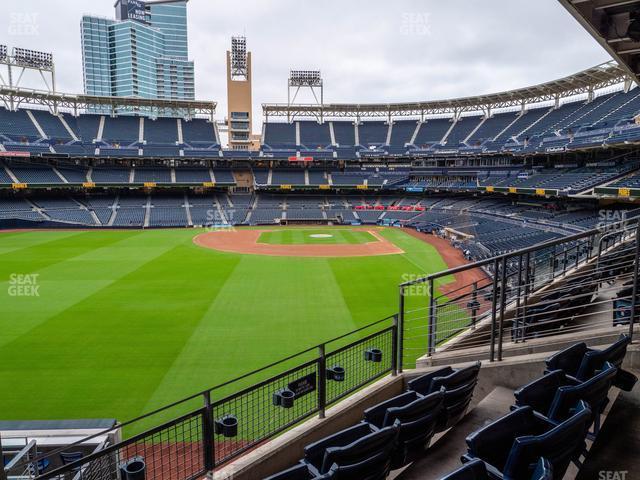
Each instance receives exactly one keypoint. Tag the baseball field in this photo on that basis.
(111, 324)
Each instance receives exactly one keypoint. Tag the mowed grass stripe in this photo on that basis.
(36, 257)
(289, 306)
(107, 354)
(64, 284)
(16, 241)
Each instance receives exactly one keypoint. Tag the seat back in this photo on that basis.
(455, 405)
(558, 445)
(594, 360)
(540, 393)
(567, 360)
(376, 415)
(366, 447)
(416, 422)
(422, 384)
(420, 408)
(594, 392)
(457, 379)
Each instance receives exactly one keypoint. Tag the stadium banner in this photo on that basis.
(541, 192)
(150, 184)
(324, 187)
(414, 189)
(89, 185)
(15, 154)
(208, 184)
(303, 386)
(285, 187)
(19, 186)
(362, 187)
(513, 190)
(489, 189)
(624, 192)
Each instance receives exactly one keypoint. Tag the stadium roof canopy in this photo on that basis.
(13, 97)
(585, 82)
(615, 24)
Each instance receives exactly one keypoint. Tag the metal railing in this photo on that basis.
(233, 417)
(519, 295)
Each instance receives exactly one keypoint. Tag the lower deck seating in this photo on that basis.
(545, 431)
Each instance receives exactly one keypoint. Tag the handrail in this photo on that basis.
(515, 253)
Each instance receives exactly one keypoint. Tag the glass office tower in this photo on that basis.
(142, 53)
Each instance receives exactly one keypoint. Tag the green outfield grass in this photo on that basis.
(303, 236)
(116, 323)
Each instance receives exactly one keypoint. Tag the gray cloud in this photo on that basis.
(368, 51)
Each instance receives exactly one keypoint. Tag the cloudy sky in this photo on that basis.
(368, 50)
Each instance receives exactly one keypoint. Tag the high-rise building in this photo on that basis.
(141, 53)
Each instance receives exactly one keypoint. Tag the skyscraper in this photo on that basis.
(142, 53)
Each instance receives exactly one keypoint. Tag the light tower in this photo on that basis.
(22, 60)
(239, 97)
(310, 80)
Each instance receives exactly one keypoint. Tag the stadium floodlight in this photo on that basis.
(3, 53)
(239, 62)
(32, 58)
(305, 78)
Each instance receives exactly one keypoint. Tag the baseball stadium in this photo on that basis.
(438, 289)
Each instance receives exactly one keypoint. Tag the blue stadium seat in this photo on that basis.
(477, 470)
(583, 363)
(458, 384)
(512, 445)
(362, 452)
(417, 417)
(555, 394)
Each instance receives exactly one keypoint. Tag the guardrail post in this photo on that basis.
(494, 305)
(515, 324)
(322, 381)
(503, 297)
(3, 474)
(208, 444)
(401, 330)
(527, 288)
(395, 338)
(565, 260)
(474, 301)
(431, 333)
(634, 295)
